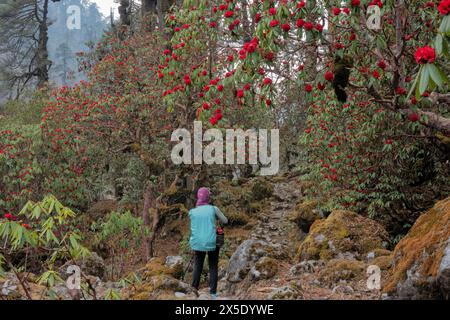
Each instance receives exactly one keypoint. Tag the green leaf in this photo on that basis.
(438, 44)
(445, 25)
(424, 79)
(437, 75)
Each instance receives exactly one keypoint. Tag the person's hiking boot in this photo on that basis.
(195, 292)
(213, 296)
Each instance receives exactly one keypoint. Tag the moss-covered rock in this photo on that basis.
(384, 262)
(261, 189)
(236, 217)
(342, 234)
(305, 214)
(338, 270)
(421, 262)
(160, 287)
(158, 266)
(265, 268)
(102, 208)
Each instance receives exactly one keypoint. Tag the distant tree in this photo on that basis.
(23, 39)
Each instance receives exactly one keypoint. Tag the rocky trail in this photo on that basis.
(290, 250)
(265, 266)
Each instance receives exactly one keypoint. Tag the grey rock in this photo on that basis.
(343, 289)
(180, 294)
(371, 256)
(173, 261)
(309, 266)
(319, 238)
(245, 256)
(284, 293)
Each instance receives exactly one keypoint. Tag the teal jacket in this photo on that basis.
(203, 227)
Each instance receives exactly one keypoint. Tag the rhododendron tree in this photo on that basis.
(381, 121)
(262, 64)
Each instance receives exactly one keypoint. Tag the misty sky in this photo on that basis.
(105, 5)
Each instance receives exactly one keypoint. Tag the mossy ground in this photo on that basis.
(342, 231)
(424, 244)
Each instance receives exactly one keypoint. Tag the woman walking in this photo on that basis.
(203, 239)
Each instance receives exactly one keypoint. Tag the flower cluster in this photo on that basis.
(425, 55)
(444, 7)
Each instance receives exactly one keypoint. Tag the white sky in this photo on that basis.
(106, 5)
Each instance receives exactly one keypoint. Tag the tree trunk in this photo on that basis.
(42, 62)
(148, 6)
(124, 12)
(148, 200)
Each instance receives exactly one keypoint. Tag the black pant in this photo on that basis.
(213, 261)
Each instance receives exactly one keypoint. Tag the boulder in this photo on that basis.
(265, 268)
(421, 260)
(242, 260)
(170, 266)
(343, 235)
(308, 267)
(261, 189)
(305, 214)
(285, 293)
(92, 265)
(161, 287)
(340, 270)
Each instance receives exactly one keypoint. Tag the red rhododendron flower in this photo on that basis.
(220, 88)
(308, 88)
(286, 27)
(329, 76)
(240, 93)
(274, 23)
(229, 14)
(213, 121)
(413, 117)
(300, 23)
(26, 225)
(257, 17)
(187, 80)
(272, 11)
(381, 64)
(206, 106)
(376, 3)
(8, 216)
(309, 26)
(336, 11)
(356, 3)
(425, 55)
(400, 91)
(301, 4)
(444, 7)
(267, 81)
(376, 74)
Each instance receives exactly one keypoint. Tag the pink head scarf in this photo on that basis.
(202, 197)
